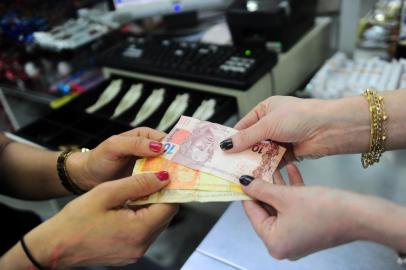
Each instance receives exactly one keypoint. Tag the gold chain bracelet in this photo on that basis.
(378, 132)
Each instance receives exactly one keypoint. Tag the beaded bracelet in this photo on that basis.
(63, 173)
(378, 132)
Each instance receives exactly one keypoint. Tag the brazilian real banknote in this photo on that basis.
(200, 171)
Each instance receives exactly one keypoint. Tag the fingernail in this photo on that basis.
(245, 180)
(155, 146)
(163, 176)
(226, 144)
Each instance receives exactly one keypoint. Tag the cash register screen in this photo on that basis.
(161, 7)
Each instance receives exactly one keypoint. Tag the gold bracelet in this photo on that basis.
(378, 132)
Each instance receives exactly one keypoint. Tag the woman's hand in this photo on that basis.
(294, 221)
(314, 128)
(114, 158)
(95, 229)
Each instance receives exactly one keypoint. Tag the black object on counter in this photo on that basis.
(257, 22)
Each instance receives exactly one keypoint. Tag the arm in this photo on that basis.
(327, 217)
(348, 122)
(318, 128)
(85, 231)
(30, 173)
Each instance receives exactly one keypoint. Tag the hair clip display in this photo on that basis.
(107, 96)
(153, 102)
(129, 99)
(174, 112)
(206, 110)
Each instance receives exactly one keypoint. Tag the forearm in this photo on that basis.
(381, 221)
(45, 245)
(30, 173)
(347, 123)
(15, 259)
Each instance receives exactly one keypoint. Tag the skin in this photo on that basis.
(344, 217)
(314, 128)
(95, 228)
(32, 175)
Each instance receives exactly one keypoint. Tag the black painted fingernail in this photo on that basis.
(226, 144)
(245, 180)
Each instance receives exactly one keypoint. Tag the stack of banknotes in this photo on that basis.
(200, 171)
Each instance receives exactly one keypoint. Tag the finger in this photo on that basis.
(263, 191)
(252, 117)
(247, 137)
(119, 146)
(278, 178)
(159, 214)
(258, 217)
(114, 194)
(295, 177)
(146, 132)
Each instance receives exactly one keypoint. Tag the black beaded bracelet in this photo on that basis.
(63, 173)
(30, 257)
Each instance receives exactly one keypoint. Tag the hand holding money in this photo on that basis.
(200, 170)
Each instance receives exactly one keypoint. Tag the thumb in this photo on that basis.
(271, 194)
(246, 138)
(117, 193)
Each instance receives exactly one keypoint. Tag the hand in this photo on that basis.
(95, 229)
(313, 128)
(115, 157)
(304, 220)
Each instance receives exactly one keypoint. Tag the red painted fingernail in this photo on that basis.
(155, 146)
(163, 176)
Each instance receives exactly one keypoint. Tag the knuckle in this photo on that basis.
(144, 131)
(242, 136)
(106, 190)
(258, 188)
(278, 253)
(139, 143)
(263, 107)
(145, 181)
(103, 187)
(111, 141)
(138, 130)
(101, 190)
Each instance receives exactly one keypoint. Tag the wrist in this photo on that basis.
(51, 255)
(346, 125)
(77, 170)
(380, 221)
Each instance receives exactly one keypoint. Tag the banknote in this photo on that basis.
(184, 196)
(196, 144)
(184, 178)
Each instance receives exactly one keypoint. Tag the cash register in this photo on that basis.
(151, 81)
